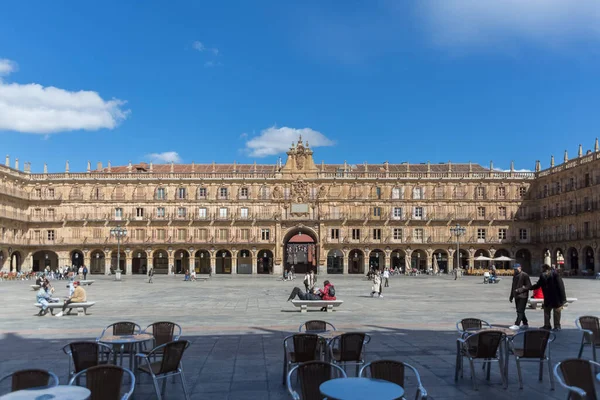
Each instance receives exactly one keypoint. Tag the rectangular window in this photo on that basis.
(335, 233)
(418, 232)
(37, 213)
(51, 213)
(439, 192)
(418, 212)
(586, 204)
(160, 212)
(38, 193)
(481, 233)
(140, 234)
(418, 193)
(222, 212)
(588, 180)
(376, 234)
(97, 233)
(202, 193)
(502, 212)
(480, 192)
(481, 212)
(523, 234)
(139, 212)
(245, 234)
(397, 233)
(244, 193)
(51, 234)
(459, 192)
(181, 193)
(181, 212)
(223, 234)
(76, 233)
(160, 234)
(501, 192)
(377, 211)
(355, 234)
(118, 213)
(51, 193)
(181, 234)
(244, 213)
(378, 192)
(223, 193)
(397, 213)
(395, 193)
(265, 234)
(202, 214)
(160, 194)
(202, 234)
(37, 235)
(264, 193)
(522, 191)
(586, 229)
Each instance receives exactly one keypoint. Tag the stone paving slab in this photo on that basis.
(237, 325)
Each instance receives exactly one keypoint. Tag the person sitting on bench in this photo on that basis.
(328, 293)
(78, 296)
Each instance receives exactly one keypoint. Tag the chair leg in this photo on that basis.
(489, 367)
(156, 388)
(473, 379)
(503, 373)
(594, 350)
(519, 374)
(184, 384)
(581, 347)
(540, 377)
(164, 385)
(457, 367)
(550, 374)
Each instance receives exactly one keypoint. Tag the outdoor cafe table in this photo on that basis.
(61, 392)
(123, 340)
(360, 389)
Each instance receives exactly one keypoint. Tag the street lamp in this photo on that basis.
(458, 231)
(118, 232)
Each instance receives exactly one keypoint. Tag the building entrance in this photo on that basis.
(301, 253)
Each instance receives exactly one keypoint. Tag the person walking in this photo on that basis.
(553, 289)
(150, 275)
(386, 276)
(307, 281)
(376, 288)
(85, 272)
(520, 293)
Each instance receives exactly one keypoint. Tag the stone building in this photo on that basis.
(254, 219)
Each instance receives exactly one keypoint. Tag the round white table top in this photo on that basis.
(125, 339)
(360, 389)
(61, 392)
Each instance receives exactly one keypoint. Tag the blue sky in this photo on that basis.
(436, 80)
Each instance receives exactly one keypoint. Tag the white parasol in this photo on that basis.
(504, 259)
(483, 258)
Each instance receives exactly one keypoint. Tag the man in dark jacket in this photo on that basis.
(311, 295)
(520, 293)
(555, 297)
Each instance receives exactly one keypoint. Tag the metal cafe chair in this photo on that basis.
(590, 329)
(83, 355)
(316, 326)
(310, 376)
(349, 348)
(304, 347)
(105, 382)
(30, 379)
(483, 346)
(467, 325)
(393, 371)
(579, 378)
(532, 345)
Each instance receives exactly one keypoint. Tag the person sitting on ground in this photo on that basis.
(186, 277)
(78, 296)
(44, 295)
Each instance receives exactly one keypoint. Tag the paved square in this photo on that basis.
(237, 324)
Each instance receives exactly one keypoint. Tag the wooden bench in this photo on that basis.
(535, 303)
(329, 304)
(81, 307)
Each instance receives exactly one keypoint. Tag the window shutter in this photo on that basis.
(424, 213)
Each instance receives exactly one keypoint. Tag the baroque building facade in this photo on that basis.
(333, 218)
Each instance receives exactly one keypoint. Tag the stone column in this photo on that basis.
(149, 259)
(233, 262)
(128, 263)
(254, 263)
(346, 261)
(171, 262)
(192, 263)
(87, 260)
(582, 258)
(451, 254)
(213, 263)
(107, 263)
(387, 260)
(27, 263)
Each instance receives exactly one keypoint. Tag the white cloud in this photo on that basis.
(198, 45)
(479, 22)
(33, 108)
(275, 140)
(210, 64)
(166, 157)
(7, 66)
(516, 170)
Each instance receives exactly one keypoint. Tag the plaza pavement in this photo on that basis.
(237, 323)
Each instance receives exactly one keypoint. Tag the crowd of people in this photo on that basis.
(44, 294)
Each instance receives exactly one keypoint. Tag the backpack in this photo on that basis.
(331, 291)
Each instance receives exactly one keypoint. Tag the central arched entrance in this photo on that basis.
(182, 261)
(264, 262)
(203, 262)
(377, 260)
(223, 262)
(139, 263)
(301, 251)
(244, 262)
(76, 259)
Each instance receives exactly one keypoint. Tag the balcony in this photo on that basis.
(76, 196)
(139, 197)
(202, 217)
(118, 196)
(15, 215)
(14, 192)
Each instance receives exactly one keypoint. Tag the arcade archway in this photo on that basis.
(502, 264)
(139, 263)
(264, 262)
(97, 262)
(160, 262)
(244, 262)
(182, 261)
(335, 262)
(419, 260)
(223, 262)
(523, 257)
(440, 257)
(588, 253)
(16, 260)
(118, 261)
(44, 258)
(356, 262)
(398, 259)
(573, 258)
(377, 260)
(301, 251)
(76, 259)
(202, 262)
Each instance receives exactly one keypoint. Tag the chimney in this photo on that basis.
(99, 166)
(470, 167)
(428, 166)
(172, 166)
(387, 166)
(322, 165)
(552, 161)
(580, 152)
(89, 167)
(129, 167)
(345, 166)
(366, 167)
(67, 167)
(234, 166)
